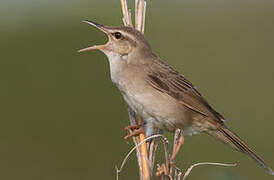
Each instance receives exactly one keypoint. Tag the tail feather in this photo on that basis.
(225, 135)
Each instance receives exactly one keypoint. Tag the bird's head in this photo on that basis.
(123, 41)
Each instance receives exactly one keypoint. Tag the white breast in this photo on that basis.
(116, 65)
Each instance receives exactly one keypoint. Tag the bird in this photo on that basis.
(159, 94)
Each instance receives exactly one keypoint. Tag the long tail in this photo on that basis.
(228, 137)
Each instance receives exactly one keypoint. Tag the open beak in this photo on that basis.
(95, 47)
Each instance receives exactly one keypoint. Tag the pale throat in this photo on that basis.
(116, 63)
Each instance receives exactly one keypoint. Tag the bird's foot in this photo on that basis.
(132, 127)
(134, 130)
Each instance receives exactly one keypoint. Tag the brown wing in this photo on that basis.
(167, 80)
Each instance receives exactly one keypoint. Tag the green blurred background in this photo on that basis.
(63, 119)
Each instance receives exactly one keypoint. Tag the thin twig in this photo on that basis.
(205, 163)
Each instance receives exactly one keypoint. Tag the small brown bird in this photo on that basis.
(159, 94)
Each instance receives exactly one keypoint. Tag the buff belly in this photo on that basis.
(162, 111)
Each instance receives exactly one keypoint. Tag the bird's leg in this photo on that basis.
(132, 127)
(176, 149)
(149, 127)
(146, 128)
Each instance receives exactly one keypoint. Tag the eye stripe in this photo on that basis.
(125, 36)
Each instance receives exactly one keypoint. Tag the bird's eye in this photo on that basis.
(117, 35)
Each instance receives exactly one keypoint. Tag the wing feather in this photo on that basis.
(167, 80)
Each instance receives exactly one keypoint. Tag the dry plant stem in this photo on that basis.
(166, 171)
(143, 151)
(133, 121)
(144, 18)
(152, 150)
(166, 174)
(153, 137)
(205, 163)
(126, 14)
(165, 142)
(137, 12)
(140, 11)
(176, 172)
(130, 18)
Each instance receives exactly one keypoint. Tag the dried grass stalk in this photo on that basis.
(140, 15)
(126, 14)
